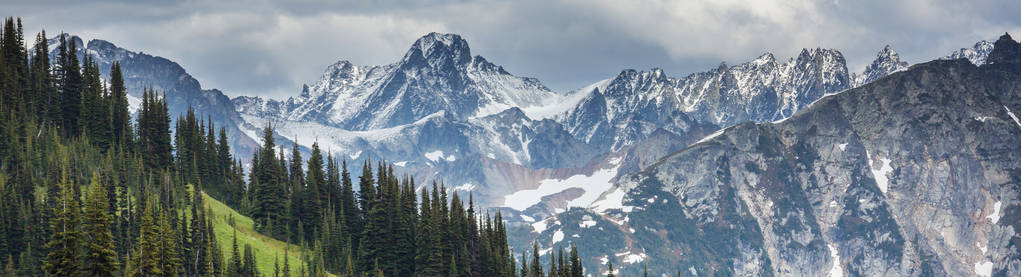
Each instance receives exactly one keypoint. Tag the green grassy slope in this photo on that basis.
(264, 248)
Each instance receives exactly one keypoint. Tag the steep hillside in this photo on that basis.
(227, 222)
(914, 174)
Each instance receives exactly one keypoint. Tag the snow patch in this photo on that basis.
(587, 223)
(843, 146)
(401, 163)
(356, 155)
(710, 136)
(835, 271)
(984, 268)
(464, 187)
(995, 216)
(434, 155)
(880, 174)
(611, 200)
(593, 185)
(527, 218)
(630, 257)
(539, 226)
(1016, 121)
(555, 106)
(558, 236)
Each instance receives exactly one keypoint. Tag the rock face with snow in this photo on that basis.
(887, 62)
(977, 54)
(915, 174)
(634, 104)
(438, 73)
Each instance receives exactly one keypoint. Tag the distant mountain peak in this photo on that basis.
(977, 54)
(887, 62)
(437, 46)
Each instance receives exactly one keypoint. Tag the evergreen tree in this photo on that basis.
(120, 117)
(236, 267)
(270, 197)
(100, 258)
(318, 195)
(64, 256)
(71, 87)
(576, 268)
(147, 252)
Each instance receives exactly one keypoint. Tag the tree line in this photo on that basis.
(87, 189)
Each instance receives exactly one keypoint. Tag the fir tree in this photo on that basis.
(64, 256)
(71, 88)
(100, 258)
(147, 255)
(120, 117)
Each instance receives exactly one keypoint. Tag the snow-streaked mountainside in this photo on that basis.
(914, 174)
(976, 54)
(632, 105)
(438, 73)
(486, 117)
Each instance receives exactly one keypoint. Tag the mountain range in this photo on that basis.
(575, 167)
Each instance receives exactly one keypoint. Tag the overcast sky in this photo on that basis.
(268, 48)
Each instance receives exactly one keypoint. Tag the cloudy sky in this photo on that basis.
(270, 48)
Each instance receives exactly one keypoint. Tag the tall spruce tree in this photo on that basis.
(100, 258)
(71, 88)
(120, 119)
(64, 257)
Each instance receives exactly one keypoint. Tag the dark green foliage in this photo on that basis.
(100, 258)
(63, 259)
(71, 85)
(154, 132)
(120, 118)
(269, 181)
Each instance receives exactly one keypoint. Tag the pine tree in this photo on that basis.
(609, 271)
(71, 88)
(120, 116)
(64, 256)
(249, 267)
(318, 195)
(147, 257)
(576, 268)
(270, 197)
(236, 267)
(100, 258)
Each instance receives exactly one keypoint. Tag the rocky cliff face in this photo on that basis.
(914, 174)
(626, 109)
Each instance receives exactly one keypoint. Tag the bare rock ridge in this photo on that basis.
(914, 174)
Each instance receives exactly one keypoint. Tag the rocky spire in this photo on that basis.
(1005, 50)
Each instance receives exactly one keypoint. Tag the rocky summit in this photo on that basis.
(915, 174)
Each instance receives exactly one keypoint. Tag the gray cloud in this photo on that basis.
(269, 48)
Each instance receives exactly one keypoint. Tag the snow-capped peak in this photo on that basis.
(976, 54)
(887, 62)
(436, 48)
